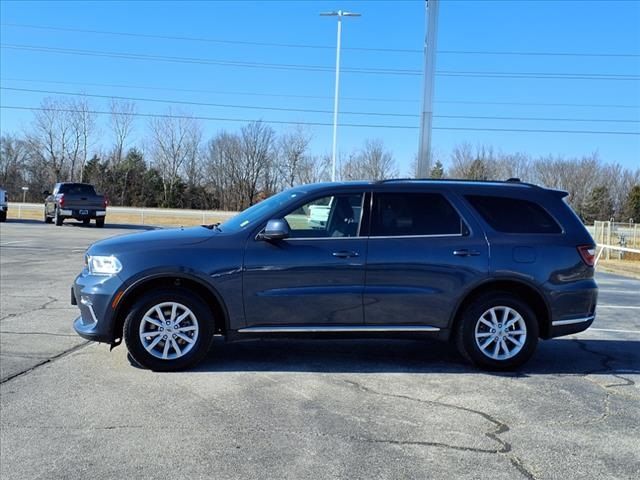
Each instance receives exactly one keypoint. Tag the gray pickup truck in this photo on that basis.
(74, 200)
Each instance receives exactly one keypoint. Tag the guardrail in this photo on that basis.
(615, 248)
(138, 215)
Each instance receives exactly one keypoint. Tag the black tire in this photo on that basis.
(47, 218)
(470, 319)
(99, 222)
(203, 320)
(58, 218)
(3, 216)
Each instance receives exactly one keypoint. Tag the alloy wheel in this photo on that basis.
(500, 333)
(168, 330)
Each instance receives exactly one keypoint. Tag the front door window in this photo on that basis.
(333, 216)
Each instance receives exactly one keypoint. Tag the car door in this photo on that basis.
(316, 275)
(423, 252)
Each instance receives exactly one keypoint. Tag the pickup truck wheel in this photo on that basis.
(47, 218)
(3, 216)
(58, 218)
(100, 222)
(168, 330)
(497, 331)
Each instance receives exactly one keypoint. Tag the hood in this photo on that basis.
(152, 240)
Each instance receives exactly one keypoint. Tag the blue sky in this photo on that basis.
(489, 26)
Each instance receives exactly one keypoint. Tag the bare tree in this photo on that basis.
(84, 124)
(221, 170)
(53, 140)
(175, 140)
(314, 169)
(122, 114)
(293, 147)
(257, 143)
(13, 160)
(373, 162)
(473, 164)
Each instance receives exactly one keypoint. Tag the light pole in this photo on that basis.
(338, 14)
(430, 44)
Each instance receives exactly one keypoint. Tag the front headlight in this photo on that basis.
(103, 265)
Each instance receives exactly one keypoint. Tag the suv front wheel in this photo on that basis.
(168, 330)
(497, 331)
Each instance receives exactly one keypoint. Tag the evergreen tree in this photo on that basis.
(437, 171)
(599, 205)
(632, 205)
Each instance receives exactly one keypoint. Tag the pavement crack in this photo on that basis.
(36, 309)
(44, 362)
(605, 361)
(493, 434)
(2, 332)
(500, 427)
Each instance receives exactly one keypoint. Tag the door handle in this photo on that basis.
(345, 254)
(466, 253)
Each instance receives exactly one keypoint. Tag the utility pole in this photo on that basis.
(338, 14)
(431, 36)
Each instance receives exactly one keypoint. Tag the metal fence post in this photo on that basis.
(142, 215)
(608, 239)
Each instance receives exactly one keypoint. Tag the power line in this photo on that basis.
(321, 68)
(305, 110)
(288, 95)
(312, 46)
(324, 124)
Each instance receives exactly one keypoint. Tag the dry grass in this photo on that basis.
(133, 218)
(629, 268)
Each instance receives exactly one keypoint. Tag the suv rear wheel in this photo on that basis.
(168, 330)
(497, 331)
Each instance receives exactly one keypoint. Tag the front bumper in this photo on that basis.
(93, 295)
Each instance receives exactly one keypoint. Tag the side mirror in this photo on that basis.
(46, 193)
(276, 229)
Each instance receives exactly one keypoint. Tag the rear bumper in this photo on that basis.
(569, 326)
(573, 307)
(78, 215)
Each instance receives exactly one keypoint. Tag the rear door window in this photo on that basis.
(414, 214)
(513, 215)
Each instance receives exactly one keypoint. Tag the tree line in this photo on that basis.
(173, 165)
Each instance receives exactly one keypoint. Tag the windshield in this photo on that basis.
(251, 215)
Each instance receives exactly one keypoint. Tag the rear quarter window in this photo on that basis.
(513, 215)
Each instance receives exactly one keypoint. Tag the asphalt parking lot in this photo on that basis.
(301, 409)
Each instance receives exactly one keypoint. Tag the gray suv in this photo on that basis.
(490, 266)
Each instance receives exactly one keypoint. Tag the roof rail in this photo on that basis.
(510, 180)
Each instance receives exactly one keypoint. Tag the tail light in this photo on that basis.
(105, 202)
(588, 254)
(61, 199)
